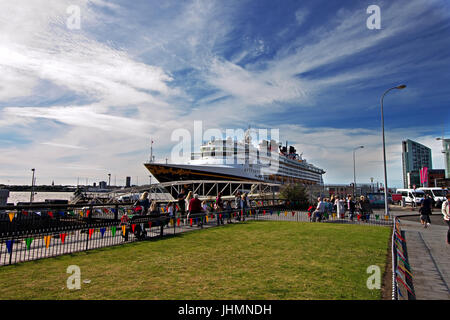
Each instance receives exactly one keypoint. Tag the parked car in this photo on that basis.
(396, 198)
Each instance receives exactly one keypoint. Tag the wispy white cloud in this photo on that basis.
(301, 15)
(332, 149)
(281, 78)
(85, 116)
(252, 88)
(62, 145)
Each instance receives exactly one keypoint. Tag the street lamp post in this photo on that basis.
(445, 150)
(109, 179)
(32, 186)
(354, 170)
(386, 207)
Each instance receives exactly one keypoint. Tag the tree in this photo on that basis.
(296, 194)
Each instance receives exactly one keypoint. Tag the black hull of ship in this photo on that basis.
(169, 173)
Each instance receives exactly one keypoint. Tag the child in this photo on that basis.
(171, 209)
(205, 206)
(328, 209)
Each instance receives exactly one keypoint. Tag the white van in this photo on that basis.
(412, 196)
(437, 194)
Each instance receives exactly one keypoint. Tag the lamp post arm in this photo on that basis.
(386, 207)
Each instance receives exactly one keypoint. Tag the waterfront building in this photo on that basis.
(343, 190)
(415, 156)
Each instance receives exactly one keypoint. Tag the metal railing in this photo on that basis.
(75, 228)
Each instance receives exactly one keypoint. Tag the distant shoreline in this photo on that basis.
(40, 188)
(50, 188)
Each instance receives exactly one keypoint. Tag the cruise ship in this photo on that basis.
(232, 160)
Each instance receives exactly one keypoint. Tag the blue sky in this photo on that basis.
(82, 103)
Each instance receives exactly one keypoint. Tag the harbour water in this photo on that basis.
(24, 196)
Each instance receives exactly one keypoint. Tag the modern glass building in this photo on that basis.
(415, 156)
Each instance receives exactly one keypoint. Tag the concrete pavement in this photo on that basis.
(428, 253)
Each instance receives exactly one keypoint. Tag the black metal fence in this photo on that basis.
(30, 233)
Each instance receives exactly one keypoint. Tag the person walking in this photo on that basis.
(365, 208)
(187, 201)
(325, 208)
(340, 207)
(351, 207)
(329, 209)
(219, 202)
(237, 200)
(181, 202)
(425, 211)
(244, 205)
(237, 205)
(228, 211)
(332, 201)
(218, 206)
(446, 212)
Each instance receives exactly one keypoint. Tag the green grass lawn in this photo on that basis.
(255, 260)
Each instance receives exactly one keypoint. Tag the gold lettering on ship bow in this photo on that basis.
(162, 170)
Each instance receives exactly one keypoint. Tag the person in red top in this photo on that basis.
(195, 206)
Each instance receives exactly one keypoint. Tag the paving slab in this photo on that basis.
(429, 257)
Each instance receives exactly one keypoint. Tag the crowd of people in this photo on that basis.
(188, 205)
(339, 206)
